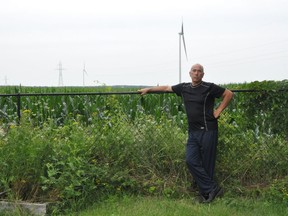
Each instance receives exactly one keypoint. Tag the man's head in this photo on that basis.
(196, 74)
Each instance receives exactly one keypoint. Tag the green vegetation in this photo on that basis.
(159, 206)
(78, 150)
(148, 206)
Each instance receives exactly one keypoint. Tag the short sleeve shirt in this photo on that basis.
(199, 104)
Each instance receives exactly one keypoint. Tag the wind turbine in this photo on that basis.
(84, 72)
(181, 37)
(6, 80)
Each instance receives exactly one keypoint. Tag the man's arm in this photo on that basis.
(226, 98)
(155, 89)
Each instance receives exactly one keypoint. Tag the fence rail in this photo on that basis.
(19, 95)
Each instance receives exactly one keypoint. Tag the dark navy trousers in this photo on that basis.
(201, 157)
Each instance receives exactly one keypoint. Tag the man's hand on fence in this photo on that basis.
(143, 91)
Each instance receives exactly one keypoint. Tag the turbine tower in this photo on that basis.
(181, 38)
(84, 72)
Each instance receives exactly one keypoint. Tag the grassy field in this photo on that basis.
(160, 206)
(151, 206)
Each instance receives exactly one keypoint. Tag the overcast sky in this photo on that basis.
(130, 42)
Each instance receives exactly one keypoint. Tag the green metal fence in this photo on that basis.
(253, 130)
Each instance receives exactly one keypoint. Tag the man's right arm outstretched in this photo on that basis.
(155, 89)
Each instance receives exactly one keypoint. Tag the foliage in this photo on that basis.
(75, 163)
(278, 191)
(264, 109)
(148, 206)
(78, 149)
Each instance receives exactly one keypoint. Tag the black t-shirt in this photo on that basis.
(199, 104)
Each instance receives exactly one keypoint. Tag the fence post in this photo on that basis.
(19, 107)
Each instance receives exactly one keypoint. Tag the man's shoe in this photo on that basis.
(202, 198)
(217, 192)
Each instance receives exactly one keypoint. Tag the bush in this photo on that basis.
(76, 163)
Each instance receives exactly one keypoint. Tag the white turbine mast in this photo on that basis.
(181, 38)
(84, 72)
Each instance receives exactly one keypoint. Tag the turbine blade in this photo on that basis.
(184, 42)
(84, 69)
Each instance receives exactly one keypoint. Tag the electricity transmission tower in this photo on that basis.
(60, 69)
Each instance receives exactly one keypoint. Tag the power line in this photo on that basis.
(254, 58)
(245, 48)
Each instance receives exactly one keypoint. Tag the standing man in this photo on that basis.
(199, 99)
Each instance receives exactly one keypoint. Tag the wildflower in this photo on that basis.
(11, 126)
(27, 111)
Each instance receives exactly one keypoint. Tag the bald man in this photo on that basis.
(199, 100)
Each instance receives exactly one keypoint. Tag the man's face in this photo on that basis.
(196, 73)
